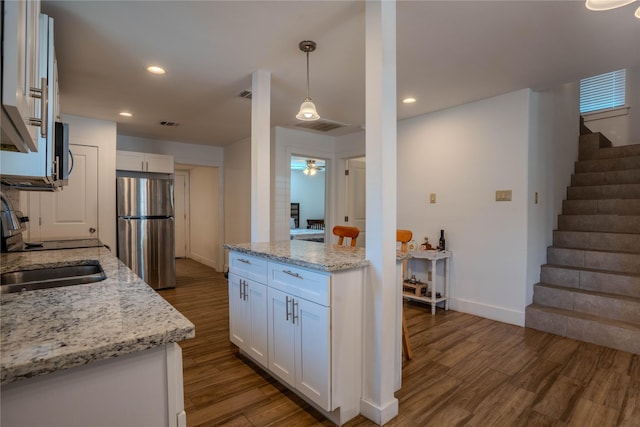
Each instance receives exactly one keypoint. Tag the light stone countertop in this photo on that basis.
(317, 256)
(47, 330)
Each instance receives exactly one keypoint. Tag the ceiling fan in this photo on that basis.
(312, 168)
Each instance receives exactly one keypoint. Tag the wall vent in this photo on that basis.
(247, 94)
(169, 123)
(320, 125)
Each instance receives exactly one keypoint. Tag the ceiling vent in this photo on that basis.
(320, 125)
(247, 94)
(169, 123)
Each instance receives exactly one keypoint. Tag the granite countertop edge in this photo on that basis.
(50, 330)
(326, 265)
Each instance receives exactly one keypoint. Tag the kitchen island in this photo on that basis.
(96, 354)
(295, 308)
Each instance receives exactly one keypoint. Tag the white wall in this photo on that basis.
(622, 126)
(464, 154)
(285, 143)
(308, 190)
(237, 192)
(100, 134)
(206, 244)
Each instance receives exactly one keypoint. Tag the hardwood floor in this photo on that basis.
(466, 371)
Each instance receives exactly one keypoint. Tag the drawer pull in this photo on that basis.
(291, 273)
(245, 261)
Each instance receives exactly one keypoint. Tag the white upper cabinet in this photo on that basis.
(144, 162)
(21, 82)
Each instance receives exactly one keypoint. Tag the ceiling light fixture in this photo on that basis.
(126, 114)
(154, 69)
(600, 5)
(409, 100)
(307, 111)
(312, 168)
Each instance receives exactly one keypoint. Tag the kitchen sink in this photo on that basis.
(82, 272)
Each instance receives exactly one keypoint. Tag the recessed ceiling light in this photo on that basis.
(154, 69)
(408, 100)
(126, 114)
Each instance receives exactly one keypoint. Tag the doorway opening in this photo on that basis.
(308, 207)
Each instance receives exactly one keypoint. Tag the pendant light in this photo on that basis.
(600, 5)
(307, 111)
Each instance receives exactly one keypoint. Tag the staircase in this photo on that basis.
(589, 289)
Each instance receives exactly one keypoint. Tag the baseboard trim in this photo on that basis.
(203, 260)
(379, 415)
(501, 314)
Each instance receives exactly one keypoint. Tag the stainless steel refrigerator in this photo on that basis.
(146, 230)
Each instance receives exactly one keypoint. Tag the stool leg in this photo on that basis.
(406, 345)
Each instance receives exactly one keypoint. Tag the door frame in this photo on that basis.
(187, 212)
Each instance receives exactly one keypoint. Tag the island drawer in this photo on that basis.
(248, 266)
(299, 282)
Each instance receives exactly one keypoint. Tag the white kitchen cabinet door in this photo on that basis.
(20, 73)
(129, 161)
(248, 317)
(282, 336)
(313, 351)
(159, 163)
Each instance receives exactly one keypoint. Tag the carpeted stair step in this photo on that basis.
(596, 192)
(628, 176)
(619, 262)
(601, 207)
(584, 327)
(591, 280)
(601, 241)
(604, 223)
(601, 304)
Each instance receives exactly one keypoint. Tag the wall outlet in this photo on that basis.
(503, 195)
(432, 198)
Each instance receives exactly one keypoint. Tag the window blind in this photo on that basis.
(603, 91)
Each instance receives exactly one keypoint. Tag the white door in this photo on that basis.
(181, 203)
(281, 336)
(73, 211)
(356, 197)
(313, 351)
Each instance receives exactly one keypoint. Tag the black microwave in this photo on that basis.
(62, 154)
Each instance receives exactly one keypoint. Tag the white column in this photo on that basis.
(378, 401)
(260, 156)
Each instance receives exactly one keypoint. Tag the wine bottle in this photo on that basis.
(441, 245)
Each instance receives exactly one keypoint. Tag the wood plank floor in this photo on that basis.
(466, 371)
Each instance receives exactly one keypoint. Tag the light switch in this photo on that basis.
(432, 198)
(503, 195)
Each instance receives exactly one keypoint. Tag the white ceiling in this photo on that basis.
(448, 53)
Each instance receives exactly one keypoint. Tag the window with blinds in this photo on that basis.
(602, 92)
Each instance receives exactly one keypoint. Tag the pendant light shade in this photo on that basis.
(308, 112)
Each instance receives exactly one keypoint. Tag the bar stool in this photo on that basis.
(342, 231)
(404, 236)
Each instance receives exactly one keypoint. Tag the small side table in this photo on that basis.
(433, 256)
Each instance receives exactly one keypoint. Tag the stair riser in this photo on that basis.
(597, 241)
(624, 310)
(631, 176)
(603, 223)
(584, 330)
(597, 192)
(591, 280)
(607, 261)
(603, 165)
(601, 207)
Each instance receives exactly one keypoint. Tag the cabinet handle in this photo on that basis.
(245, 261)
(240, 288)
(291, 273)
(294, 309)
(43, 96)
(287, 308)
(246, 290)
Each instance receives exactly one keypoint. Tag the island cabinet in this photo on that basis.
(307, 330)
